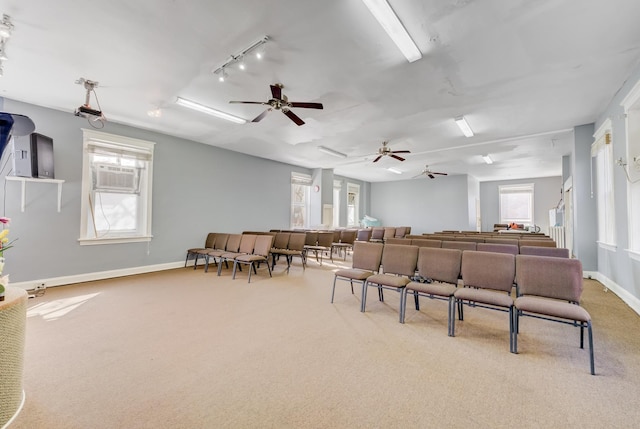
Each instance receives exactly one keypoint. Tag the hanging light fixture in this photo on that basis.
(256, 47)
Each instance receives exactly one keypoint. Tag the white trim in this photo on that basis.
(622, 293)
(632, 97)
(607, 246)
(101, 275)
(633, 254)
(116, 240)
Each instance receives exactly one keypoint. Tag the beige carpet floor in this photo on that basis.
(187, 349)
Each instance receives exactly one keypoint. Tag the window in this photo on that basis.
(300, 200)
(602, 151)
(631, 105)
(116, 189)
(516, 204)
(337, 188)
(353, 204)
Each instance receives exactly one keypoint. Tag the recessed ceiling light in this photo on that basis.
(487, 159)
(209, 110)
(464, 126)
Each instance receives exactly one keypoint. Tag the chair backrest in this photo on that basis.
(247, 243)
(367, 255)
(281, 240)
(348, 236)
(442, 265)
(462, 245)
(498, 248)
(558, 252)
(221, 241)
(296, 241)
(336, 235)
(389, 232)
(396, 240)
(469, 239)
(311, 238)
(233, 243)
(325, 239)
(488, 270)
(263, 245)
(377, 233)
(364, 234)
(424, 242)
(542, 243)
(210, 241)
(400, 259)
(547, 276)
(401, 231)
(502, 240)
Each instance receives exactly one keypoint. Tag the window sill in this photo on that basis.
(611, 247)
(114, 240)
(634, 254)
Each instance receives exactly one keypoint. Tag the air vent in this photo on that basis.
(114, 178)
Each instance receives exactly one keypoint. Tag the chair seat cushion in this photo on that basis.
(439, 289)
(250, 258)
(203, 251)
(388, 280)
(354, 274)
(484, 296)
(289, 252)
(216, 253)
(551, 307)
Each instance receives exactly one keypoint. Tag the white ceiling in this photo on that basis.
(523, 72)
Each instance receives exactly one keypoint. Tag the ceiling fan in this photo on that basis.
(429, 173)
(279, 101)
(386, 150)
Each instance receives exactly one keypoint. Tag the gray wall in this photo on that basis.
(196, 189)
(547, 193)
(423, 204)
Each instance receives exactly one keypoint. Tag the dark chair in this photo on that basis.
(488, 279)
(550, 289)
(461, 245)
(498, 248)
(362, 235)
(366, 262)
(324, 244)
(377, 234)
(438, 271)
(399, 264)
(558, 252)
(347, 238)
(247, 243)
(421, 242)
(540, 243)
(197, 251)
(260, 254)
(295, 247)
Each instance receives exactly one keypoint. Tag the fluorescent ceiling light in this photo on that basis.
(331, 152)
(394, 28)
(464, 126)
(487, 159)
(209, 111)
(393, 170)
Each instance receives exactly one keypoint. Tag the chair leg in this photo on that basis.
(186, 260)
(206, 263)
(516, 330)
(364, 296)
(250, 266)
(195, 262)
(416, 299)
(235, 265)
(591, 358)
(452, 321)
(351, 281)
(220, 266)
(403, 303)
(269, 269)
(380, 294)
(333, 291)
(451, 315)
(511, 330)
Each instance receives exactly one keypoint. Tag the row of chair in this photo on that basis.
(548, 287)
(514, 247)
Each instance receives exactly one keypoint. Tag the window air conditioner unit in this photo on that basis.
(114, 178)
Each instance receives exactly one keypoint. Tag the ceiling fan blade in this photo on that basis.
(306, 105)
(249, 102)
(431, 176)
(396, 157)
(400, 151)
(261, 115)
(417, 175)
(442, 174)
(276, 92)
(378, 158)
(293, 117)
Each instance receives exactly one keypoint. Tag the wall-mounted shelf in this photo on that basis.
(24, 181)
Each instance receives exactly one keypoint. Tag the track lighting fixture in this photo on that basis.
(332, 152)
(240, 57)
(464, 126)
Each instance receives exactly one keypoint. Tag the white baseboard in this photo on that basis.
(88, 277)
(622, 293)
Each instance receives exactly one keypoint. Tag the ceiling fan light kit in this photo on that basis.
(385, 150)
(464, 126)
(209, 110)
(389, 21)
(332, 152)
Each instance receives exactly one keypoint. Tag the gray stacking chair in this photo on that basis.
(488, 279)
(197, 251)
(366, 262)
(558, 252)
(550, 289)
(438, 270)
(399, 264)
(260, 254)
(245, 247)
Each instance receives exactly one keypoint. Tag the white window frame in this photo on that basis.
(631, 105)
(525, 188)
(337, 191)
(602, 152)
(353, 203)
(303, 182)
(115, 144)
